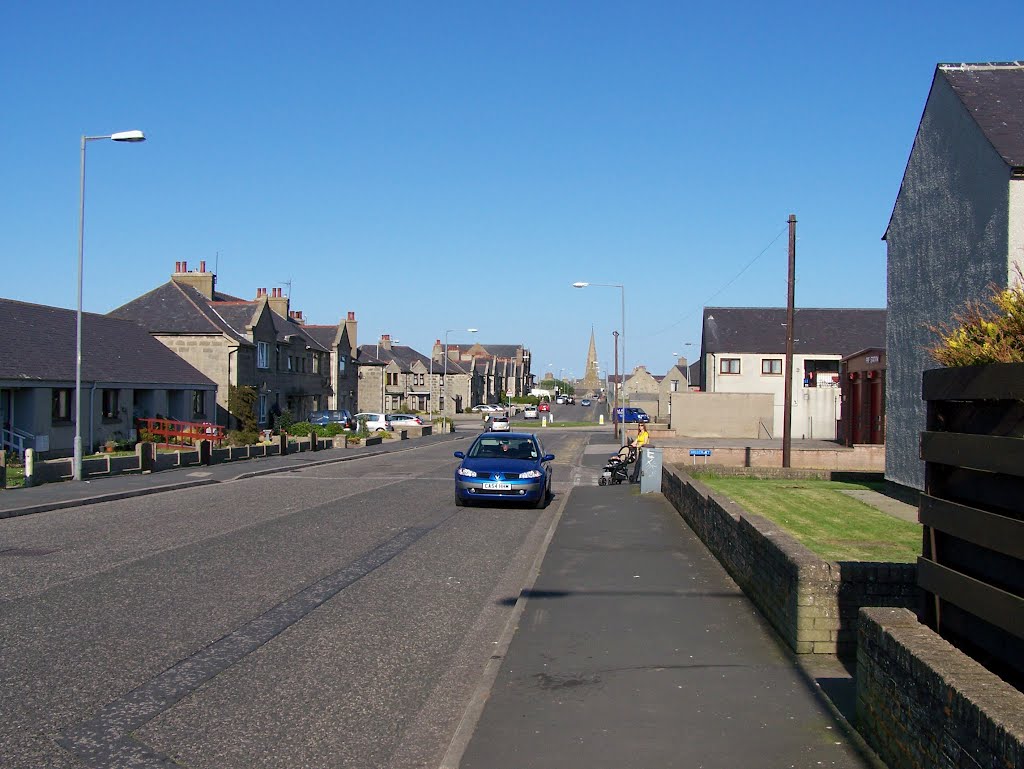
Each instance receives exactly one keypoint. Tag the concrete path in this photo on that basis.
(635, 649)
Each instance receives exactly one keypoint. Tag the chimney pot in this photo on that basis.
(177, 266)
(184, 266)
(298, 314)
(351, 315)
(202, 266)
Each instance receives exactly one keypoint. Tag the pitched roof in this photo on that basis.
(39, 344)
(993, 94)
(402, 355)
(324, 335)
(178, 308)
(824, 331)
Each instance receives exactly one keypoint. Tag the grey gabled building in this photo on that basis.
(957, 227)
(126, 374)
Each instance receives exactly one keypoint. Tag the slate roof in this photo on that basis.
(994, 96)
(403, 356)
(502, 350)
(822, 331)
(38, 344)
(177, 308)
(324, 335)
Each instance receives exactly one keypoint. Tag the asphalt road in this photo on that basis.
(338, 615)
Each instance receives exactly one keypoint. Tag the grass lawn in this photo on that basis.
(832, 524)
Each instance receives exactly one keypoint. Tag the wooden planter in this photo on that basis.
(972, 568)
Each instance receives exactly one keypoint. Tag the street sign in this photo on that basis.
(700, 453)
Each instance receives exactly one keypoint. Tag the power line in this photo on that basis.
(719, 291)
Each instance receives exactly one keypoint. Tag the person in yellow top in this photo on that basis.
(642, 439)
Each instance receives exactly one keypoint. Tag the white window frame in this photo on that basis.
(262, 355)
(262, 416)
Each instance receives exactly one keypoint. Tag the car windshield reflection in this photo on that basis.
(510, 448)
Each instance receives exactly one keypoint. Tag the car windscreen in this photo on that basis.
(507, 448)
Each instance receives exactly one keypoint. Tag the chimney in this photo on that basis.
(202, 281)
(278, 302)
(385, 341)
(351, 327)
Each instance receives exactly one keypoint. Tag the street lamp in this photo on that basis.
(122, 136)
(621, 389)
(444, 376)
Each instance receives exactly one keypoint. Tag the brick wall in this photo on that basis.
(861, 458)
(923, 703)
(811, 603)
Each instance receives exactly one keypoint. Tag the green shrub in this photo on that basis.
(989, 331)
(300, 428)
(242, 438)
(331, 430)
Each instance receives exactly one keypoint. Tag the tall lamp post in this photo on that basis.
(122, 136)
(444, 376)
(621, 389)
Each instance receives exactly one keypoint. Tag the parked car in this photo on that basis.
(503, 467)
(375, 421)
(561, 399)
(332, 417)
(544, 407)
(483, 408)
(530, 412)
(632, 414)
(585, 402)
(498, 422)
(404, 420)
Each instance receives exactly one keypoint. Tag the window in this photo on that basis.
(342, 359)
(730, 366)
(316, 363)
(392, 378)
(262, 355)
(110, 404)
(263, 410)
(290, 364)
(771, 366)
(675, 385)
(198, 403)
(61, 406)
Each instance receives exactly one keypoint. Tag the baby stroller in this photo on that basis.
(616, 470)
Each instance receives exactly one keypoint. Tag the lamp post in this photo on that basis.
(122, 136)
(621, 389)
(444, 376)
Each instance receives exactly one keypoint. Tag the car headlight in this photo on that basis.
(466, 472)
(531, 474)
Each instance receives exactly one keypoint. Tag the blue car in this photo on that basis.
(633, 414)
(504, 467)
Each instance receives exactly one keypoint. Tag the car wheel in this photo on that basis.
(459, 501)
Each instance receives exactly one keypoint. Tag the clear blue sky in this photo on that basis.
(437, 166)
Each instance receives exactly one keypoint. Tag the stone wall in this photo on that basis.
(866, 457)
(811, 603)
(923, 703)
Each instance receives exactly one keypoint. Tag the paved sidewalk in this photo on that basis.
(51, 496)
(635, 649)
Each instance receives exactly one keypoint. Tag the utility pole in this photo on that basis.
(787, 409)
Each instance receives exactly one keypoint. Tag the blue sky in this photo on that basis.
(452, 165)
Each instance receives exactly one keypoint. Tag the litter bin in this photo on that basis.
(650, 469)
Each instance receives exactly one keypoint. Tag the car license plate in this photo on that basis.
(494, 486)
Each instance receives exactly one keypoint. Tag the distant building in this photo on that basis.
(743, 350)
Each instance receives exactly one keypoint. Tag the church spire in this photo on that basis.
(592, 378)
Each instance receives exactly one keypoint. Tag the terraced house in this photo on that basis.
(257, 343)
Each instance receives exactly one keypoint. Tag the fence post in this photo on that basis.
(145, 452)
(283, 438)
(204, 451)
(312, 440)
(30, 467)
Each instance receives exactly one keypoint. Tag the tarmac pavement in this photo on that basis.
(635, 649)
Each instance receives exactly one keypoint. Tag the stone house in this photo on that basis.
(956, 228)
(341, 340)
(641, 389)
(259, 343)
(126, 374)
(394, 377)
(505, 368)
(743, 350)
(674, 381)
